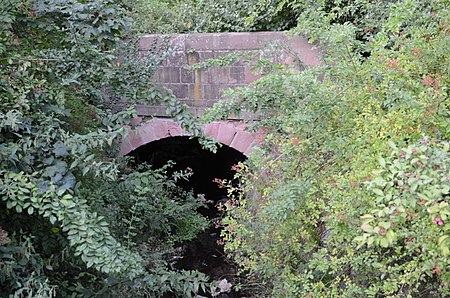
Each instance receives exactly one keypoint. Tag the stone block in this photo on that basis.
(191, 102)
(212, 129)
(157, 75)
(220, 75)
(226, 133)
(205, 55)
(146, 110)
(169, 74)
(125, 147)
(210, 92)
(310, 57)
(186, 76)
(220, 41)
(147, 133)
(267, 36)
(237, 75)
(178, 58)
(204, 76)
(249, 76)
(199, 41)
(242, 41)
(161, 128)
(134, 138)
(195, 94)
(297, 43)
(179, 90)
(153, 42)
(175, 130)
(242, 140)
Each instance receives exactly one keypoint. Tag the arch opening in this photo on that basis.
(203, 253)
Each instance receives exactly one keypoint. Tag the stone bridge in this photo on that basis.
(201, 88)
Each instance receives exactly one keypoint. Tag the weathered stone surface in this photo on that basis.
(237, 75)
(125, 147)
(212, 129)
(226, 133)
(186, 76)
(179, 90)
(134, 138)
(249, 76)
(211, 92)
(201, 88)
(242, 140)
(220, 75)
(168, 74)
(161, 128)
(177, 59)
(147, 133)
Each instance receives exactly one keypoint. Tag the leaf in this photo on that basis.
(392, 145)
(384, 242)
(390, 236)
(367, 216)
(85, 170)
(382, 162)
(60, 149)
(445, 250)
(370, 240)
(73, 164)
(433, 209)
(90, 157)
(385, 224)
(52, 219)
(442, 239)
(367, 228)
(378, 192)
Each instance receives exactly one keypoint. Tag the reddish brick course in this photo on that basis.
(228, 133)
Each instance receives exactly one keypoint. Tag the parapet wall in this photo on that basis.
(201, 88)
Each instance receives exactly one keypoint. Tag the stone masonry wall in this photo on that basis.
(203, 87)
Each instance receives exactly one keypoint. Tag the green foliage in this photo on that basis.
(328, 207)
(17, 259)
(62, 64)
(147, 208)
(172, 16)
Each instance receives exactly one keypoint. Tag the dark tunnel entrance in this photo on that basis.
(203, 253)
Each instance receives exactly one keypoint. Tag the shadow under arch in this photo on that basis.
(186, 152)
(204, 253)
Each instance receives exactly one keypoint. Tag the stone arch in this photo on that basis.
(232, 134)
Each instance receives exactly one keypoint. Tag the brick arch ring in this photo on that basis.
(232, 134)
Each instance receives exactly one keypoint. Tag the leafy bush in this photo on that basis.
(171, 16)
(330, 208)
(62, 63)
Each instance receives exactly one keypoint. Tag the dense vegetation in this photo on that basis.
(74, 219)
(348, 195)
